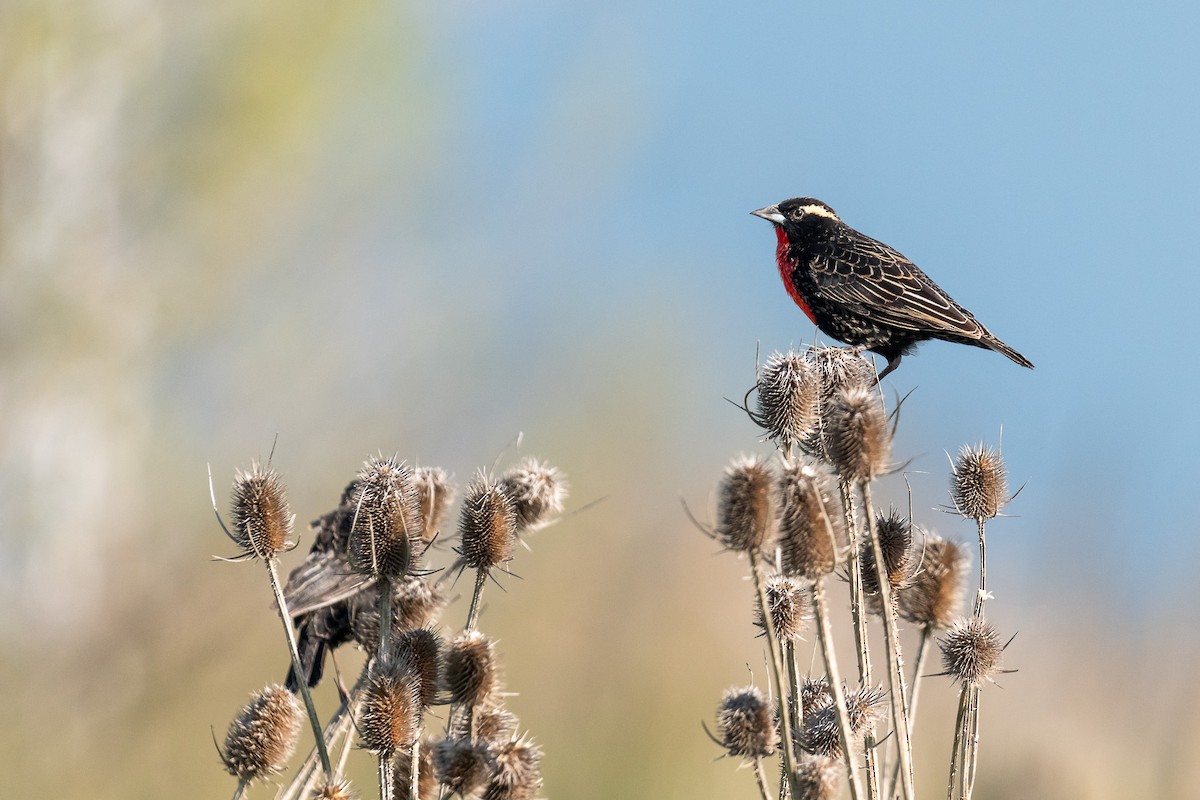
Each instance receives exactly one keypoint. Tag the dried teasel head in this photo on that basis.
(818, 778)
(837, 369)
(790, 605)
(971, 650)
(821, 735)
(463, 766)
(493, 722)
(745, 516)
(335, 790)
(746, 723)
(788, 391)
(434, 496)
(857, 435)
(390, 719)
(421, 650)
(814, 695)
(537, 491)
(979, 486)
(934, 595)
(262, 521)
(416, 603)
(895, 540)
(470, 668)
(810, 522)
(518, 773)
(387, 519)
(488, 525)
(262, 737)
(427, 784)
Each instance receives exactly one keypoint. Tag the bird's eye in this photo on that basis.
(797, 213)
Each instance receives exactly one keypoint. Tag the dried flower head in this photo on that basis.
(262, 521)
(421, 650)
(427, 788)
(810, 524)
(814, 695)
(494, 723)
(262, 737)
(537, 492)
(391, 708)
(745, 519)
(934, 595)
(818, 778)
(979, 486)
(463, 766)
(857, 435)
(895, 540)
(387, 519)
(434, 496)
(746, 723)
(488, 526)
(837, 369)
(518, 774)
(790, 604)
(335, 790)
(821, 735)
(788, 391)
(470, 668)
(971, 650)
(415, 604)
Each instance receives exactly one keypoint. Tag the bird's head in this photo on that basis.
(796, 211)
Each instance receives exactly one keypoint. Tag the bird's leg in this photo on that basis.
(891, 365)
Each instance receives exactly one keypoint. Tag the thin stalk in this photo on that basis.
(290, 632)
(825, 635)
(891, 638)
(473, 614)
(793, 692)
(972, 743)
(860, 625)
(759, 777)
(414, 770)
(240, 791)
(956, 754)
(789, 748)
(339, 725)
(918, 665)
(979, 600)
(386, 777)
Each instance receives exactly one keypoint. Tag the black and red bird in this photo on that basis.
(863, 292)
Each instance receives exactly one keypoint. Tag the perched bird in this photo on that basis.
(863, 292)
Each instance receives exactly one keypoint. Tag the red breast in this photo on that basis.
(785, 272)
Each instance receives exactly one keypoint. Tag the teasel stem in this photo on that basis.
(958, 758)
(240, 791)
(473, 614)
(339, 725)
(825, 635)
(915, 686)
(793, 693)
(414, 787)
(776, 658)
(290, 632)
(982, 596)
(891, 638)
(759, 777)
(857, 610)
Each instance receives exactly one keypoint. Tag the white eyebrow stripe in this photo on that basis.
(820, 211)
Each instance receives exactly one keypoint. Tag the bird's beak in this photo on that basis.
(770, 214)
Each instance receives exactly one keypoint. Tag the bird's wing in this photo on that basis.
(323, 578)
(880, 283)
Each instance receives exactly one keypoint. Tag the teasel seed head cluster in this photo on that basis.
(488, 524)
(416, 603)
(857, 435)
(747, 725)
(335, 790)
(518, 772)
(387, 521)
(895, 540)
(790, 605)
(971, 651)
(821, 736)
(788, 392)
(434, 497)
(262, 737)
(262, 520)
(745, 517)
(463, 766)
(818, 778)
(390, 720)
(537, 491)
(470, 669)
(934, 595)
(810, 520)
(979, 485)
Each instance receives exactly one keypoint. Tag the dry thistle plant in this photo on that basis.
(366, 580)
(808, 513)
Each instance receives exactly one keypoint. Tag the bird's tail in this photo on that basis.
(1001, 347)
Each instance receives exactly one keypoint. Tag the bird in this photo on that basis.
(863, 292)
